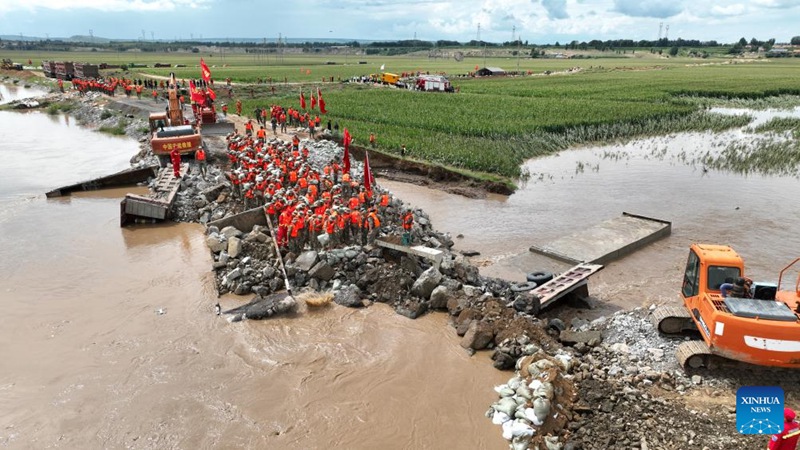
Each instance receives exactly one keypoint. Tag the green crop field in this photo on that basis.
(493, 124)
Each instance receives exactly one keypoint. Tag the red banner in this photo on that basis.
(204, 71)
(302, 100)
(313, 101)
(346, 140)
(321, 102)
(369, 180)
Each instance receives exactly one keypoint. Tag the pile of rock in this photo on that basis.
(626, 392)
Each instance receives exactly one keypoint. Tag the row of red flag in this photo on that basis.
(314, 101)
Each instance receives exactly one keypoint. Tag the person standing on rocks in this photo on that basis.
(408, 223)
(238, 107)
(200, 156)
(175, 157)
(786, 439)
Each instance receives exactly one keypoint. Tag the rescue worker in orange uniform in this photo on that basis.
(200, 156)
(407, 220)
(786, 439)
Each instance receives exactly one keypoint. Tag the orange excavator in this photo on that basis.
(756, 323)
(170, 129)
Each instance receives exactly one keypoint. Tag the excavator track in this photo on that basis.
(670, 319)
(693, 354)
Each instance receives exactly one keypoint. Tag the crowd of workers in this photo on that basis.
(307, 202)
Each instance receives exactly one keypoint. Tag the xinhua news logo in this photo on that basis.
(759, 409)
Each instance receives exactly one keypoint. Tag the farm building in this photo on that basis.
(489, 71)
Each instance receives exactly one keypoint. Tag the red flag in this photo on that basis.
(321, 102)
(368, 178)
(302, 100)
(211, 94)
(204, 72)
(313, 101)
(346, 140)
(195, 95)
(346, 159)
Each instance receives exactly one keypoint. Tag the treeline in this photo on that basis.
(398, 46)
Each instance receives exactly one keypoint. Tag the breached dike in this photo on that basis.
(126, 177)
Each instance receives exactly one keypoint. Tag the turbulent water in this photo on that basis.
(88, 362)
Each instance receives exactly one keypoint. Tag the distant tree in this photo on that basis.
(559, 45)
(795, 40)
(674, 50)
(736, 49)
(742, 42)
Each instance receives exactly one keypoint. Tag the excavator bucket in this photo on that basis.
(220, 128)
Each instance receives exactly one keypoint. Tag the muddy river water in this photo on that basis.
(88, 362)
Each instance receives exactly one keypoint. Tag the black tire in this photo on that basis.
(540, 277)
(556, 324)
(523, 287)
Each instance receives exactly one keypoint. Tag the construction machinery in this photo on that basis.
(170, 129)
(757, 325)
(205, 113)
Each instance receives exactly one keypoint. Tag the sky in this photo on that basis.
(536, 21)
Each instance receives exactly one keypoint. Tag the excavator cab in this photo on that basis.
(760, 326)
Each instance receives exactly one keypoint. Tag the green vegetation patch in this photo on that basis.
(116, 130)
(60, 107)
(780, 125)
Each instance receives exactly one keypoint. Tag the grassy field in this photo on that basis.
(493, 124)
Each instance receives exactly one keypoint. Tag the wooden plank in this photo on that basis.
(565, 283)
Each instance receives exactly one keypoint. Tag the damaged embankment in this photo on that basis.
(600, 394)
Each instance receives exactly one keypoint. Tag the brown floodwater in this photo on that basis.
(108, 337)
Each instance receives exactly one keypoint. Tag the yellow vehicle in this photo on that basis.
(389, 78)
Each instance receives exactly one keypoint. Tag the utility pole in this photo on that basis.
(660, 28)
(666, 34)
(513, 32)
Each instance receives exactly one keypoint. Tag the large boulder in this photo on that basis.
(349, 296)
(322, 271)
(426, 283)
(216, 243)
(234, 247)
(440, 296)
(478, 335)
(411, 308)
(231, 231)
(306, 260)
